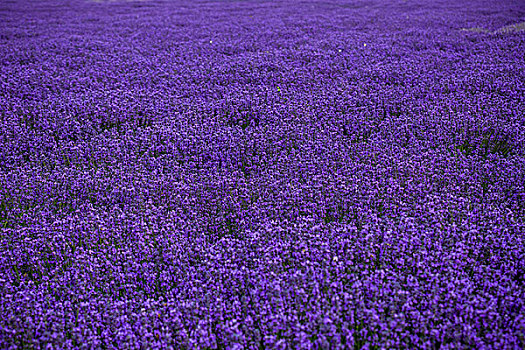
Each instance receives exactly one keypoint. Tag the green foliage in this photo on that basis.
(485, 143)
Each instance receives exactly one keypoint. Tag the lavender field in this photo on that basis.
(229, 174)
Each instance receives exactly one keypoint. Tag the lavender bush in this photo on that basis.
(262, 174)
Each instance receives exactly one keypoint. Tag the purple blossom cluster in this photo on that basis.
(284, 174)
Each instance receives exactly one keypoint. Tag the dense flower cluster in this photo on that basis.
(262, 174)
